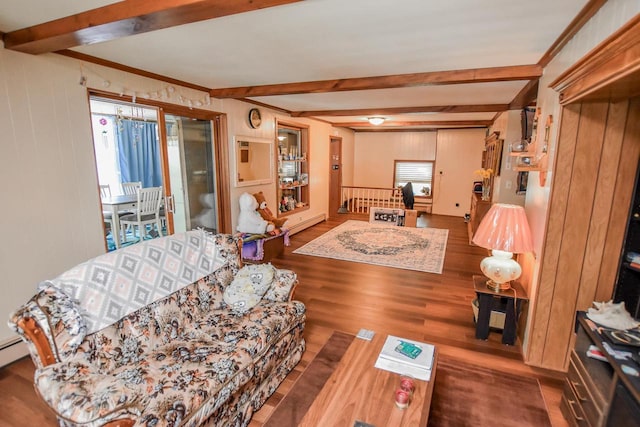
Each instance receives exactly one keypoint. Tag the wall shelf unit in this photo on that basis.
(533, 164)
(293, 168)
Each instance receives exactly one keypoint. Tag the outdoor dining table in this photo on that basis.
(116, 204)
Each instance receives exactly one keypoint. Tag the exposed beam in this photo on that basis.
(526, 96)
(416, 129)
(482, 108)
(587, 12)
(364, 124)
(476, 75)
(262, 104)
(123, 19)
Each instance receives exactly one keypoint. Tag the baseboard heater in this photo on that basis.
(306, 223)
(12, 350)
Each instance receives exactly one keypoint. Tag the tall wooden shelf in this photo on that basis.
(293, 168)
(479, 209)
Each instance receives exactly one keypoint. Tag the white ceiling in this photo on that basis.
(336, 39)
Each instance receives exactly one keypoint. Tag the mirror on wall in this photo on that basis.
(254, 160)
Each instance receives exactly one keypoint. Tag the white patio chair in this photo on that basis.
(105, 191)
(148, 213)
(131, 187)
(107, 216)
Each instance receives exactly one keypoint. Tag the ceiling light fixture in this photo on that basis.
(376, 121)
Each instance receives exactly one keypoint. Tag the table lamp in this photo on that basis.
(504, 230)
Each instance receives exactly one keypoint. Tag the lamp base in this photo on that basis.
(498, 287)
(500, 269)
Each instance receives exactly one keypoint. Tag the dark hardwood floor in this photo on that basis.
(347, 296)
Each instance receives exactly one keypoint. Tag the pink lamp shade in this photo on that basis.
(505, 228)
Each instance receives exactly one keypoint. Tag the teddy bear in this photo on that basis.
(266, 213)
(249, 220)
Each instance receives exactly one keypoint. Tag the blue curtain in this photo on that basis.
(139, 152)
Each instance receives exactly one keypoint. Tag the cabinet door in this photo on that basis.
(627, 287)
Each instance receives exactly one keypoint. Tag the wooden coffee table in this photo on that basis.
(358, 391)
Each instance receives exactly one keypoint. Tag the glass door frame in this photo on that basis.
(220, 149)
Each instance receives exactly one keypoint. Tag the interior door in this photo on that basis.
(335, 174)
(191, 170)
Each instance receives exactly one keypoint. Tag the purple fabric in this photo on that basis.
(254, 249)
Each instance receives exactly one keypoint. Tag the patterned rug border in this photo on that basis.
(310, 248)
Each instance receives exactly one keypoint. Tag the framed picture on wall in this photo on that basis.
(521, 186)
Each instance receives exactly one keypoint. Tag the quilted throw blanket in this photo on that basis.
(114, 285)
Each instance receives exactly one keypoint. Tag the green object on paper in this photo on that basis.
(408, 349)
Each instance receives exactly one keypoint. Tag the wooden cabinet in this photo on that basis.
(293, 168)
(598, 393)
(627, 288)
(479, 209)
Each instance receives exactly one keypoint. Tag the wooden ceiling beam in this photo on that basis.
(123, 19)
(481, 108)
(475, 75)
(526, 96)
(449, 123)
(435, 129)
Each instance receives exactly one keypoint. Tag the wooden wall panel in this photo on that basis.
(557, 211)
(578, 215)
(603, 204)
(626, 172)
(576, 229)
(598, 154)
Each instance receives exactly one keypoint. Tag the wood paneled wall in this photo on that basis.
(596, 162)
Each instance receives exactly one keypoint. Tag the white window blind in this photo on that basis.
(414, 171)
(419, 174)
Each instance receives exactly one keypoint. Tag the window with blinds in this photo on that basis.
(419, 174)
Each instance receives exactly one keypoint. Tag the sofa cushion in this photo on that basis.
(249, 286)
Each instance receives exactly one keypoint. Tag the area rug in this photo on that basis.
(464, 395)
(420, 249)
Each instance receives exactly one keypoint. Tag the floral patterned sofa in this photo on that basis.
(130, 338)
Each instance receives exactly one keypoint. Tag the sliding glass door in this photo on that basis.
(171, 148)
(190, 159)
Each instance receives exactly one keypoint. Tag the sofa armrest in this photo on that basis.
(283, 287)
(77, 392)
(50, 324)
(35, 335)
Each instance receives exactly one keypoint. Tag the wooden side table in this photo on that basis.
(488, 299)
